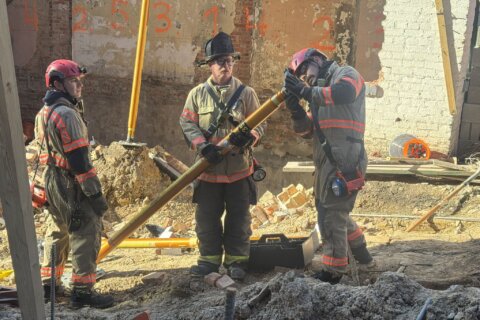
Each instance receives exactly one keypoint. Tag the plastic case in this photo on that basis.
(273, 250)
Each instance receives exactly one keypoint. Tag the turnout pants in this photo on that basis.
(234, 235)
(338, 231)
(62, 195)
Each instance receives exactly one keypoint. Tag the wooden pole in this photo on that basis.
(447, 68)
(14, 190)
(442, 202)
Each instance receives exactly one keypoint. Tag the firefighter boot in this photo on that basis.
(326, 276)
(237, 271)
(362, 255)
(88, 297)
(203, 268)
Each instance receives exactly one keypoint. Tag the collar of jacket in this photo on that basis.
(231, 87)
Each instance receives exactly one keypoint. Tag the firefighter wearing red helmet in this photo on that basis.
(336, 122)
(74, 193)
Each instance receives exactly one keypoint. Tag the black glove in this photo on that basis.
(99, 204)
(297, 87)
(212, 153)
(241, 139)
(293, 105)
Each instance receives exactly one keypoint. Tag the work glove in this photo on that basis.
(297, 87)
(241, 139)
(212, 153)
(99, 204)
(293, 105)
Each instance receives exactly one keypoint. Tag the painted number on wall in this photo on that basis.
(214, 12)
(30, 15)
(163, 18)
(326, 42)
(80, 18)
(119, 11)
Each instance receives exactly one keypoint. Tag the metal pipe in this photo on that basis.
(423, 311)
(230, 303)
(53, 279)
(260, 115)
(397, 216)
(137, 72)
(159, 243)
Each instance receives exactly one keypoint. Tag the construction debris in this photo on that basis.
(273, 209)
(220, 281)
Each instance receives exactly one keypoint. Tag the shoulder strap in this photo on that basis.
(323, 140)
(224, 109)
(45, 133)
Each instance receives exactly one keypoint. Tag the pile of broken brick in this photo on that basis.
(273, 209)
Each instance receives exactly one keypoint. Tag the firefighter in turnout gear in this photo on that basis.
(336, 122)
(74, 193)
(211, 112)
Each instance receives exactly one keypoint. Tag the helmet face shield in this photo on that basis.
(299, 63)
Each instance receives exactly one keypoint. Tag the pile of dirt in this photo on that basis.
(129, 177)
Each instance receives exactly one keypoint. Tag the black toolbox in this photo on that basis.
(272, 250)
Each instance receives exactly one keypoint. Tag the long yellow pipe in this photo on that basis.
(260, 115)
(137, 73)
(170, 242)
(159, 243)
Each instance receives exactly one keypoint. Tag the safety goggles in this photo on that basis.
(230, 61)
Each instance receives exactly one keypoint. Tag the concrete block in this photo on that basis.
(300, 198)
(267, 197)
(270, 209)
(283, 196)
(290, 204)
(224, 282)
(215, 279)
(154, 278)
(258, 213)
(291, 189)
(170, 251)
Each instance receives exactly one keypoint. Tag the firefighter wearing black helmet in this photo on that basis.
(74, 193)
(211, 112)
(336, 122)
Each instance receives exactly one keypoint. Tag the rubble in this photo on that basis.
(273, 209)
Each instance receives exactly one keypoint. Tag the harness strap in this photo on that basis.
(224, 109)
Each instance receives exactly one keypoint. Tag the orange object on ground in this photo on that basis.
(408, 146)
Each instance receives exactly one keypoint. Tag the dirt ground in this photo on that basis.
(441, 264)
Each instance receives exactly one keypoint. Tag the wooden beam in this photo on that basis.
(426, 169)
(447, 68)
(14, 189)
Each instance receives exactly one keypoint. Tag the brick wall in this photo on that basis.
(410, 72)
(46, 27)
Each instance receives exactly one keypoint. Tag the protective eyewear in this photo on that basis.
(221, 61)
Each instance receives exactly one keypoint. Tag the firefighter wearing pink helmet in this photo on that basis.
(74, 192)
(336, 121)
